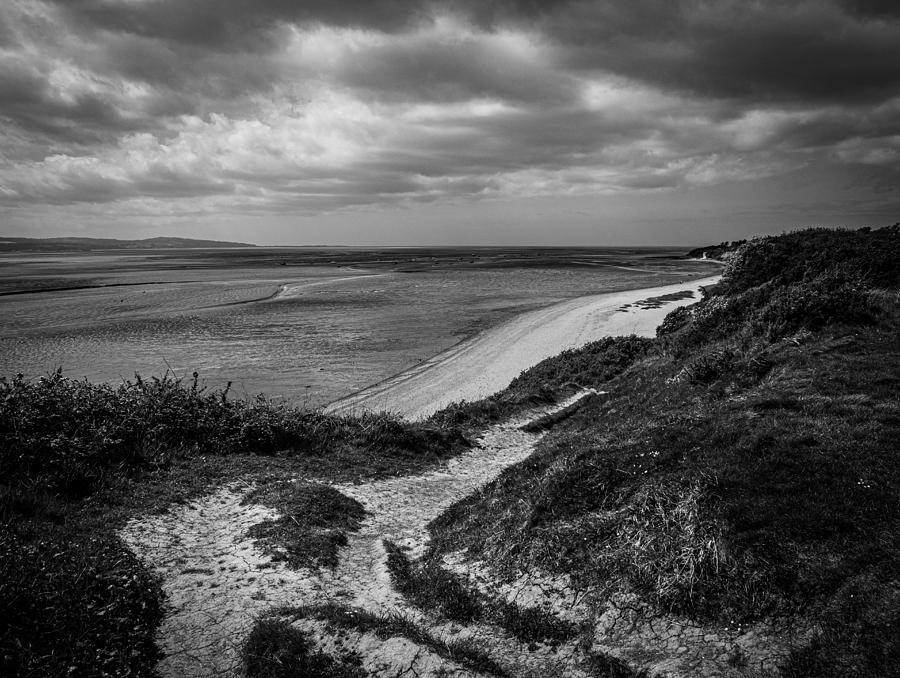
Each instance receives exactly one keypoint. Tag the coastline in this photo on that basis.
(486, 362)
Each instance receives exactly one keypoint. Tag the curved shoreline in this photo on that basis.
(486, 363)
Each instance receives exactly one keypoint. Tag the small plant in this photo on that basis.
(465, 652)
(531, 624)
(432, 587)
(313, 524)
(664, 544)
(275, 649)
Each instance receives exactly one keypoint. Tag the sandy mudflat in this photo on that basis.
(486, 363)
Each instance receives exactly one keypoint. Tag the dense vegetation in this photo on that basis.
(743, 464)
(76, 458)
(574, 369)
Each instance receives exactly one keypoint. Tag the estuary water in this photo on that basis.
(307, 329)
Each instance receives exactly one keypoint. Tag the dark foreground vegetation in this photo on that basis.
(743, 464)
(77, 458)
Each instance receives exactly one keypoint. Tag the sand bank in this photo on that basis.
(486, 363)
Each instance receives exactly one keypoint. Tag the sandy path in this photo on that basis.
(487, 362)
(217, 581)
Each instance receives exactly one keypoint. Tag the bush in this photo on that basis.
(591, 365)
(830, 298)
(75, 605)
(803, 255)
(69, 436)
(675, 320)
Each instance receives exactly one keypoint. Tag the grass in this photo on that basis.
(429, 586)
(710, 498)
(74, 604)
(742, 467)
(275, 649)
(70, 436)
(313, 525)
(590, 366)
(77, 459)
(464, 652)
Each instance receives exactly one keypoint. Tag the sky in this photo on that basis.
(394, 122)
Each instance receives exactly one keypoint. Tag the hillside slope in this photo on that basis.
(732, 505)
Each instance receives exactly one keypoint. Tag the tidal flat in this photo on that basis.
(308, 325)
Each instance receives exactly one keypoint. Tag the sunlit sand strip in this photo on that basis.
(486, 363)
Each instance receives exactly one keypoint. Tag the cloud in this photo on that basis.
(276, 106)
(761, 51)
(443, 62)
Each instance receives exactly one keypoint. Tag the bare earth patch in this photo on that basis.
(218, 582)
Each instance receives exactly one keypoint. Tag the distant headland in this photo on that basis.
(87, 244)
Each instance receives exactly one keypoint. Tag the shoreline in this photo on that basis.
(486, 362)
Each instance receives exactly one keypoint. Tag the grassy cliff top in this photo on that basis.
(743, 464)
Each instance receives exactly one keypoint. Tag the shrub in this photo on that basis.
(813, 304)
(74, 605)
(591, 365)
(675, 320)
(803, 255)
(588, 366)
(69, 435)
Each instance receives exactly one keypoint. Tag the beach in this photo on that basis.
(484, 364)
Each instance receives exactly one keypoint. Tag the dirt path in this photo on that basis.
(483, 365)
(217, 581)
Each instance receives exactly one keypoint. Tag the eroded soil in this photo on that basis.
(218, 582)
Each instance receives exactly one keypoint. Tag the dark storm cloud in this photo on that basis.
(456, 70)
(254, 24)
(27, 102)
(768, 50)
(247, 24)
(872, 8)
(765, 51)
(304, 105)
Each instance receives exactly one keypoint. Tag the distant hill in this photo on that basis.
(87, 244)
